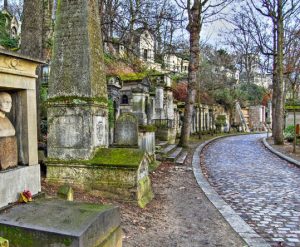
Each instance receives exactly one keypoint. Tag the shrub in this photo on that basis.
(289, 133)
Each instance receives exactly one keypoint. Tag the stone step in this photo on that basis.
(172, 157)
(168, 148)
(181, 159)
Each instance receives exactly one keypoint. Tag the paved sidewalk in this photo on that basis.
(261, 187)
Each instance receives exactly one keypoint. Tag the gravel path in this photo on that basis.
(262, 188)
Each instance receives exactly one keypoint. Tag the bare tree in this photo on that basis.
(264, 15)
(36, 36)
(198, 11)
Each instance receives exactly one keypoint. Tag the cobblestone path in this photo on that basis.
(262, 188)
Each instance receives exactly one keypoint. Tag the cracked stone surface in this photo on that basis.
(262, 188)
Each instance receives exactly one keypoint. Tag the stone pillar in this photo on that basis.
(151, 113)
(138, 106)
(159, 102)
(169, 104)
(270, 112)
(77, 113)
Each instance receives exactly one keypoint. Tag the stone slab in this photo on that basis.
(51, 222)
(16, 180)
(181, 158)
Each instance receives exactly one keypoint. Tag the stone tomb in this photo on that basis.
(19, 168)
(52, 222)
(120, 173)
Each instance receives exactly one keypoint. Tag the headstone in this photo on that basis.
(126, 130)
(77, 115)
(8, 141)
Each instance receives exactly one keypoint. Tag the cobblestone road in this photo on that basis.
(262, 188)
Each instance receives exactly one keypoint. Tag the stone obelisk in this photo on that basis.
(77, 113)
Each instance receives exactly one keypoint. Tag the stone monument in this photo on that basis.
(8, 140)
(18, 133)
(78, 112)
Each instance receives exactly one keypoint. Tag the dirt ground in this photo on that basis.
(179, 215)
(286, 149)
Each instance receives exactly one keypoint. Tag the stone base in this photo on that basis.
(8, 152)
(15, 181)
(166, 134)
(126, 182)
(50, 223)
(75, 131)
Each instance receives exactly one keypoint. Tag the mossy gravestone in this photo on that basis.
(126, 131)
(77, 113)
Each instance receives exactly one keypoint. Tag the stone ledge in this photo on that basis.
(281, 155)
(14, 181)
(235, 221)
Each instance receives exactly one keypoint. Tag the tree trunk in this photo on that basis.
(279, 100)
(194, 28)
(35, 38)
(5, 4)
(294, 113)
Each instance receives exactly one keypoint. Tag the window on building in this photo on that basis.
(145, 54)
(125, 100)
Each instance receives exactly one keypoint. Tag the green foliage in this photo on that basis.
(5, 39)
(108, 58)
(254, 93)
(220, 121)
(291, 102)
(289, 133)
(292, 107)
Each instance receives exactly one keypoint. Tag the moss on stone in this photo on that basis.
(133, 76)
(21, 237)
(145, 194)
(147, 128)
(77, 100)
(154, 165)
(121, 157)
(117, 156)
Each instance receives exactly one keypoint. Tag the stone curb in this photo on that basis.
(281, 155)
(251, 238)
